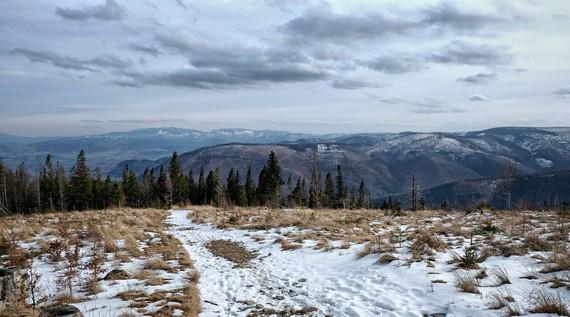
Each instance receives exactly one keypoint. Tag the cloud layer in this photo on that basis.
(269, 62)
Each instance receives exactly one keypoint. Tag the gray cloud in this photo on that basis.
(449, 15)
(228, 66)
(563, 92)
(478, 98)
(73, 63)
(470, 54)
(396, 63)
(111, 10)
(353, 84)
(147, 49)
(230, 78)
(324, 24)
(478, 79)
(434, 105)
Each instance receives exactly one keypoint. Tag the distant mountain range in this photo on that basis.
(106, 150)
(447, 165)
(387, 161)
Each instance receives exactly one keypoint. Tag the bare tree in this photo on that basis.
(507, 175)
(414, 193)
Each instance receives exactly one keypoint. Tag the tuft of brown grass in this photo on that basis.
(129, 295)
(501, 276)
(466, 282)
(191, 305)
(535, 243)
(544, 302)
(386, 258)
(157, 264)
(286, 245)
(18, 310)
(377, 245)
(154, 281)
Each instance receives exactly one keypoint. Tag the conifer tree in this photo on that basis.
(61, 185)
(315, 191)
(249, 188)
(179, 184)
(340, 188)
(213, 190)
(202, 187)
(130, 187)
(363, 196)
(98, 190)
(80, 190)
(271, 182)
(329, 193)
(48, 185)
(3, 188)
(164, 187)
(147, 188)
(191, 187)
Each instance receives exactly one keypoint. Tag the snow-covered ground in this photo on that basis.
(331, 282)
(335, 282)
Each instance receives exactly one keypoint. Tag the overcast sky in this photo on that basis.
(70, 67)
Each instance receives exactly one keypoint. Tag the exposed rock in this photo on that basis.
(61, 311)
(117, 274)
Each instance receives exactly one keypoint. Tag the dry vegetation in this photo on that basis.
(84, 246)
(467, 240)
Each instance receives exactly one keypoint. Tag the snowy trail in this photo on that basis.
(333, 282)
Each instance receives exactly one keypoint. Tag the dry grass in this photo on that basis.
(130, 295)
(157, 264)
(377, 245)
(231, 250)
(544, 302)
(501, 276)
(19, 310)
(142, 234)
(286, 245)
(386, 258)
(466, 282)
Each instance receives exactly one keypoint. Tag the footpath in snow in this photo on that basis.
(335, 282)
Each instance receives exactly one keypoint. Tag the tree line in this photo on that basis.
(52, 189)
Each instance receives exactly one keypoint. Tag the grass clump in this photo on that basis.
(466, 282)
(544, 302)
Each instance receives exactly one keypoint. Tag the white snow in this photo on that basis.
(335, 282)
(542, 162)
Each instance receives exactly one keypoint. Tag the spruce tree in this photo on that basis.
(363, 200)
(98, 190)
(179, 184)
(80, 191)
(164, 187)
(213, 190)
(230, 186)
(315, 191)
(249, 189)
(191, 187)
(48, 185)
(130, 187)
(3, 188)
(329, 193)
(202, 187)
(272, 181)
(340, 188)
(296, 196)
(61, 185)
